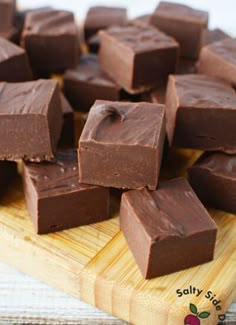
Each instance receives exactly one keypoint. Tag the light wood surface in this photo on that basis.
(94, 263)
(25, 300)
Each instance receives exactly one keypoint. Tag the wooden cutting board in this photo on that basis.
(94, 263)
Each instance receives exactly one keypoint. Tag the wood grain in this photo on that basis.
(95, 264)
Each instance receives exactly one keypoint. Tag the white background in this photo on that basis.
(222, 12)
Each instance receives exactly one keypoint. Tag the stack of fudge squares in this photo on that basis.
(127, 85)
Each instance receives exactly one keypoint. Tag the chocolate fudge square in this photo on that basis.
(87, 83)
(55, 198)
(137, 57)
(8, 172)
(185, 24)
(121, 145)
(30, 120)
(201, 113)
(214, 35)
(7, 12)
(167, 230)
(14, 63)
(219, 60)
(213, 178)
(67, 134)
(141, 20)
(51, 40)
(100, 17)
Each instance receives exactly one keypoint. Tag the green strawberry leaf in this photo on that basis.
(193, 309)
(204, 314)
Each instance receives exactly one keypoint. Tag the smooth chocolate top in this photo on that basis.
(9, 50)
(181, 12)
(105, 16)
(90, 70)
(124, 123)
(66, 108)
(49, 22)
(140, 38)
(225, 48)
(218, 163)
(195, 90)
(57, 177)
(26, 97)
(172, 210)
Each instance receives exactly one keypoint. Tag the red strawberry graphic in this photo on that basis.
(191, 320)
(194, 319)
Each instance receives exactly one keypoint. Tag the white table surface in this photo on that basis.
(24, 300)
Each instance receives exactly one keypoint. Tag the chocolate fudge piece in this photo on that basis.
(167, 230)
(201, 113)
(219, 60)
(55, 198)
(102, 17)
(214, 35)
(30, 120)
(19, 21)
(141, 20)
(14, 64)
(121, 145)
(137, 57)
(94, 44)
(51, 40)
(87, 83)
(213, 178)
(8, 171)
(67, 134)
(185, 24)
(7, 12)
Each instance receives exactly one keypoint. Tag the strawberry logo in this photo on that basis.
(195, 318)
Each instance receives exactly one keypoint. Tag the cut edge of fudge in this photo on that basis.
(213, 177)
(88, 82)
(133, 50)
(14, 62)
(48, 184)
(46, 114)
(189, 13)
(111, 118)
(179, 100)
(216, 61)
(144, 238)
(184, 23)
(55, 30)
(96, 13)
